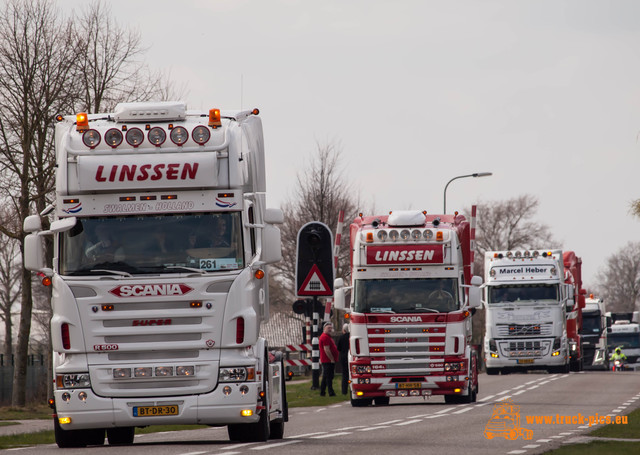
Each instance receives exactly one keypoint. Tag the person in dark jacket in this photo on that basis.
(328, 358)
(343, 349)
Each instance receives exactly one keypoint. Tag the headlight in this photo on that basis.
(91, 138)
(382, 235)
(362, 369)
(113, 137)
(235, 374)
(157, 136)
(134, 136)
(73, 381)
(179, 135)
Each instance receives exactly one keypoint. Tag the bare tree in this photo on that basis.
(508, 225)
(619, 279)
(321, 192)
(110, 67)
(635, 208)
(10, 273)
(35, 61)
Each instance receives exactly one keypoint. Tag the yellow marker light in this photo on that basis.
(246, 413)
(82, 121)
(359, 393)
(64, 420)
(259, 274)
(214, 118)
(457, 390)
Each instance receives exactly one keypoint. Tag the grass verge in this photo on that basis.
(631, 430)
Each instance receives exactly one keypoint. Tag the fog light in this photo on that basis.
(82, 396)
(414, 393)
(142, 372)
(456, 390)
(226, 390)
(391, 393)
(66, 396)
(185, 371)
(403, 393)
(555, 354)
(64, 420)
(119, 373)
(494, 355)
(244, 390)
(246, 413)
(426, 393)
(164, 371)
(359, 393)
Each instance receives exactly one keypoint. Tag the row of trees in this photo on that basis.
(50, 64)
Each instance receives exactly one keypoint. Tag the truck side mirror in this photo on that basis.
(274, 216)
(475, 292)
(34, 257)
(32, 223)
(338, 283)
(338, 299)
(271, 244)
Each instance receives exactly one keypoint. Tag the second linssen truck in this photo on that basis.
(411, 307)
(161, 239)
(526, 302)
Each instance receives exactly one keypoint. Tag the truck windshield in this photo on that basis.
(623, 340)
(545, 293)
(152, 244)
(590, 324)
(433, 295)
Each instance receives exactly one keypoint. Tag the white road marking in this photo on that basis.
(463, 410)
(408, 422)
(273, 444)
(331, 435)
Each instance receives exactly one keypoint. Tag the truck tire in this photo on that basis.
(121, 436)
(77, 438)
(381, 401)
(493, 371)
(360, 402)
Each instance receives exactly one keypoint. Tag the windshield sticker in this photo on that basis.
(218, 264)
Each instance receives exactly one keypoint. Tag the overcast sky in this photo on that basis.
(544, 94)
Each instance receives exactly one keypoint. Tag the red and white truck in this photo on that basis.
(411, 306)
(161, 238)
(573, 277)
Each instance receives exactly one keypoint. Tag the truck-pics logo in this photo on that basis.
(418, 254)
(505, 422)
(150, 290)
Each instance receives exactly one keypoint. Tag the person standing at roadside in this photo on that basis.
(343, 349)
(328, 358)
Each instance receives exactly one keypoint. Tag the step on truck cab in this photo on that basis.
(526, 302)
(410, 308)
(161, 240)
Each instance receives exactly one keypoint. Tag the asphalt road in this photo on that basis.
(422, 426)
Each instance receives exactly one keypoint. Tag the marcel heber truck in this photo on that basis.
(526, 301)
(410, 311)
(161, 240)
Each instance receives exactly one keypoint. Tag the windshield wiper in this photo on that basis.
(418, 310)
(115, 272)
(188, 269)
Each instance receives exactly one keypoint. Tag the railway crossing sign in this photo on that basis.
(314, 262)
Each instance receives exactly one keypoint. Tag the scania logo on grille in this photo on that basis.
(406, 319)
(151, 290)
(151, 322)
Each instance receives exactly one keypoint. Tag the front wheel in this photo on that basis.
(77, 438)
(121, 436)
(360, 402)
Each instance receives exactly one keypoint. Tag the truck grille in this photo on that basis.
(518, 330)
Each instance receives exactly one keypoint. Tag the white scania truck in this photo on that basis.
(526, 302)
(161, 239)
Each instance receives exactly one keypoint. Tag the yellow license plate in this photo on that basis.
(521, 361)
(155, 411)
(409, 385)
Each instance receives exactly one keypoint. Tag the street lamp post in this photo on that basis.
(477, 174)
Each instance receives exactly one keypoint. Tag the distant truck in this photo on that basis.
(575, 304)
(625, 334)
(594, 335)
(411, 308)
(526, 301)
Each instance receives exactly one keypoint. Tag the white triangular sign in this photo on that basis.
(315, 284)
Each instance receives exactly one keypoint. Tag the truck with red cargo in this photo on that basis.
(411, 304)
(573, 277)
(161, 238)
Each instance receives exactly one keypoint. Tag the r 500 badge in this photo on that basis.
(105, 347)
